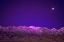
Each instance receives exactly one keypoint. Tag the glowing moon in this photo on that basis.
(52, 8)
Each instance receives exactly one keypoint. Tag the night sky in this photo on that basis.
(32, 13)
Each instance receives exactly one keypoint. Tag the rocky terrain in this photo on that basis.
(31, 34)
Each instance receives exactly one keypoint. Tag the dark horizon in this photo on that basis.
(32, 13)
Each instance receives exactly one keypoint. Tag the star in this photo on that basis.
(52, 8)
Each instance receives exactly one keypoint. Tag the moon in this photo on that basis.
(52, 8)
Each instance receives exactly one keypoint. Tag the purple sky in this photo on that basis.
(35, 13)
